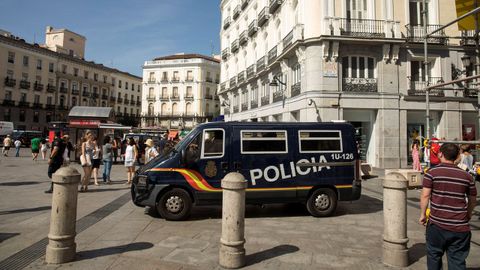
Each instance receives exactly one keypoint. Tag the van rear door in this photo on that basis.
(262, 156)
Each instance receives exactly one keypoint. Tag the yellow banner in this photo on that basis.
(464, 6)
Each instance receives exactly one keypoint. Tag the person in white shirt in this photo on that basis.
(150, 152)
(17, 144)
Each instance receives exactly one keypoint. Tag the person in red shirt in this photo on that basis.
(434, 151)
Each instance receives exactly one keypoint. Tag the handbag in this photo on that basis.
(85, 161)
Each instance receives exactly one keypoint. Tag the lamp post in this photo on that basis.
(226, 103)
(275, 81)
(310, 102)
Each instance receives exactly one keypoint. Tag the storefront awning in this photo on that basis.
(90, 112)
(172, 135)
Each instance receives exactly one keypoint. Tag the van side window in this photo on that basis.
(321, 141)
(213, 143)
(263, 142)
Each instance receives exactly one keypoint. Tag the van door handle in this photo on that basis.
(237, 166)
(224, 166)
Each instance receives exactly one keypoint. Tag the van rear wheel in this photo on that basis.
(322, 202)
(175, 204)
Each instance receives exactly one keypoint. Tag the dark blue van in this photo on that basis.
(312, 163)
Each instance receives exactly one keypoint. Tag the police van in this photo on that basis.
(313, 163)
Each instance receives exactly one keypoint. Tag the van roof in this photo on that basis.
(279, 124)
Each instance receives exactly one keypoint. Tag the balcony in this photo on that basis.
(243, 38)
(132, 102)
(10, 82)
(244, 107)
(263, 16)
(241, 77)
(223, 86)
(265, 100)
(272, 55)
(236, 12)
(235, 108)
(253, 104)
(85, 94)
(261, 64)
(75, 92)
(126, 101)
(359, 85)
(415, 34)
(23, 104)
(274, 5)
(113, 99)
(252, 28)
(296, 89)
(151, 80)
(119, 100)
(63, 90)
(189, 79)
(50, 88)
(139, 103)
(470, 93)
(189, 97)
(417, 88)
(225, 53)
(210, 80)
(175, 80)
(95, 95)
(62, 107)
(37, 86)
(226, 23)
(164, 98)
(233, 82)
(50, 107)
(151, 98)
(244, 4)
(468, 38)
(105, 97)
(235, 46)
(278, 95)
(175, 97)
(8, 102)
(362, 28)
(164, 80)
(226, 110)
(24, 84)
(37, 105)
(208, 96)
(251, 71)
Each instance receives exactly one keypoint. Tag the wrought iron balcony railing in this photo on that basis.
(296, 89)
(416, 33)
(10, 82)
(24, 104)
(233, 82)
(468, 38)
(278, 95)
(359, 85)
(63, 90)
(263, 16)
(8, 102)
(175, 97)
(274, 5)
(151, 98)
(252, 28)
(75, 92)
(272, 55)
(24, 84)
(236, 12)
(244, 107)
(244, 3)
(189, 97)
(417, 87)
(50, 88)
(85, 94)
(208, 96)
(243, 38)
(105, 97)
(251, 71)
(235, 46)
(253, 104)
(261, 64)
(164, 97)
(241, 77)
(226, 23)
(37, 86)
(225, 53)
(362, 28)
(209, 79)
(265, 100)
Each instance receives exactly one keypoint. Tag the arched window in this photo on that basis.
(62, 100)
(151, 110)
(74, 101)
(175, 108)
(188, 108)
(164, 109)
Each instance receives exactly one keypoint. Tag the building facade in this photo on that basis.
(42, 82)
(179, 91)
(353, 60)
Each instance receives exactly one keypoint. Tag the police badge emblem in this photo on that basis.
(211, 169)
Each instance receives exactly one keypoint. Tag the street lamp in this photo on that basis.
(310, 102)
(274, 82)
(466, 61)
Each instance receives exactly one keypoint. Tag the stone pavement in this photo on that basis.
(277, 236)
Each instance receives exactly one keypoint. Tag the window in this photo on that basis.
(175, 91)
(85, 74)
(417, 71)
(175, 75)
(189, 75)
(358, 67)
(297, 74)
(39, 64)
(8, 95)
(49, 117)
(11, 57)
(321, 141)
(95, 76)
(119, 83)
(151, 77)
(35, 117)
(138, 88)
(74, 101)
(36, 99)
(189, 92)
(356, 9)
(165, 76)
(74, 86)
(263, 142)
(10, 74)
(265, 90)
(104, 79)
(164, 92)
(254, 94)
(415, 9)
(38, 79)
(25, 61)
(126, 85)
(75, 72)
(213, 143)
(217, 78)
(50, 67)
(133, 87)
(22, 116)
(7, 114)
(64, 69)
(49, 100)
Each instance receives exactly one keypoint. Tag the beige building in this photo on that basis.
(179, 91)
(42, 82)
(353, 60)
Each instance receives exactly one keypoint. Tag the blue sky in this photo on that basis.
(121, 33)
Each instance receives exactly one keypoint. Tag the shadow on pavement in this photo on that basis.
(270, 253)
(95, 253)
(416, 252)
(93, 189)
(365, 205)
(14, 184)
(16, 211)
(6, 236)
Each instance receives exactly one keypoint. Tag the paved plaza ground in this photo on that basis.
(112, 233)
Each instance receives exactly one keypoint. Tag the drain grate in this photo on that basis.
(32, 253)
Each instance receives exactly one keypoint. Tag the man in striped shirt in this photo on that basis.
(452, 195)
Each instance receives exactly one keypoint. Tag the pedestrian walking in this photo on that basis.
(416, 156)
(150, 151)
(452, 195)
(56, 159)
(96, 160)
(115, 149)
(7, 143)
(86, 159)
(466, 158)
(35, 146)
(68, 149)
(17, 144)
(107, 150)
(131, 155)
(44, 148)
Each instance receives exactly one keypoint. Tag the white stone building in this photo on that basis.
(353, 60)
(179, 91)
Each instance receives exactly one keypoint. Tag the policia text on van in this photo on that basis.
(313, 163)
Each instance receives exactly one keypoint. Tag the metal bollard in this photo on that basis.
(395, 252)
(232, 251)
(61, 245)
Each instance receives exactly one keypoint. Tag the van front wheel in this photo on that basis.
(322, 202)
(175, 204)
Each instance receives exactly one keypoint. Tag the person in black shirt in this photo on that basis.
(56, 159)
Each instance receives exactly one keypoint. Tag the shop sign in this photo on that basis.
(84, 122)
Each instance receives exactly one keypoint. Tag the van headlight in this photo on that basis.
(142, 180)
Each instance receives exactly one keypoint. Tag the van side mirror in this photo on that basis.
(183, 157)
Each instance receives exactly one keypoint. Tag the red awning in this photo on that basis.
(172, 135)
